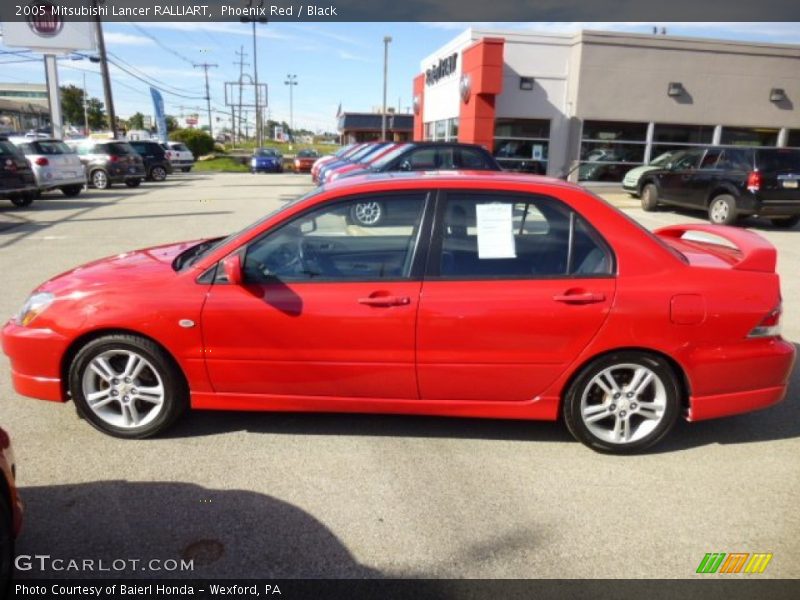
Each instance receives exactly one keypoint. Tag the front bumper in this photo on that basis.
(266, 168)
(35, 356)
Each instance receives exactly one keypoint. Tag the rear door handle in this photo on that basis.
(385, 300)
(584, 298)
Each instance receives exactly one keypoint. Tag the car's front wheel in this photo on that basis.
(100, 180)
(22, 200)
(722, 210)
(623, 402)
(158, 173)
(367, 214)
(6, 545)
(127, 386)
(649, 197)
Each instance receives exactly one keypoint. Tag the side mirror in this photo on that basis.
(307, 227)
(232, 265)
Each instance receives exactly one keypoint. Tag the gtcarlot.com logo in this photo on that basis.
(735, 562)
(45, 563)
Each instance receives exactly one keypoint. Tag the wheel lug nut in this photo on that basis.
(613, 407)
(126, 398)
(617, 395)
(633, 405)
(622, 413)
(114, 393)
(630, 394)
(115, 381)
(128, 380)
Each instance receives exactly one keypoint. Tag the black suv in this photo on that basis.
(156, 164)
(109, 162)
(730, 183)
(17, 181)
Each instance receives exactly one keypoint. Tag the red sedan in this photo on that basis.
(480, 295)
(10, 511)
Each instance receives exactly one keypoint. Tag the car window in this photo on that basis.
(488, 236)
(446, 158)
(736, 158)
(710, 159)
(422, 159)
(370, 238)
(690, 160)
(779, 159)
(473, 159)
(7, 148)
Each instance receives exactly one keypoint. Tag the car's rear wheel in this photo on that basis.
(623, 402)
(132, 183)
(22, 200)
(722, 210)
(367, 214)
(6, 545)
(127, 386)
(100, 179)
(158, 173)
(785, 222)
(649, 197)
(70, 191)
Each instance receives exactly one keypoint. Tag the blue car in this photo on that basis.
(266, 160)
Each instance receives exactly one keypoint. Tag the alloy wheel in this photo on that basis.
(368, 213)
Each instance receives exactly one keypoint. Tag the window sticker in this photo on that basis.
(495, 231)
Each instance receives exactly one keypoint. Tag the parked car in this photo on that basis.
(343, 152)
(179, 155)
(266, 160)
(17, 181)
(730, 183)
(631, 182)
(110, 162)
(417, 156)
(55, 165)
(360, 165)
(10, 512)
(356, 156)
(498, 295)
(304, 160)
(156, 164)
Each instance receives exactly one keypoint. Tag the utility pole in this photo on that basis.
(241, 54)
(101, 47)
(386, 40)
(291, 81)
(263, 21)
(85, 108)
(206, 67)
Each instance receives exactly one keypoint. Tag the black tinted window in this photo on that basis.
(779, 160)
(516, 236)
(115, 148)
(7, 148)
(736, 158)
(473, 159)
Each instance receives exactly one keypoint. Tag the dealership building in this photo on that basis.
(594, 104)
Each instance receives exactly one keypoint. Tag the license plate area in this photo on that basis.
(791, 184)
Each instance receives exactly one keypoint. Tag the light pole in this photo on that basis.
(291, 81)
(263, 21)
(386, 40)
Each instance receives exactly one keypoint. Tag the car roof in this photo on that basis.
(25, 140)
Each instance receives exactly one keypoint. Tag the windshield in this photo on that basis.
(7, 148)
(265, 152)
(307, 154)
(189, 257)
(663, 159)
(389, 156)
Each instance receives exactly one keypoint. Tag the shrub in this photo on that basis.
(199, 142)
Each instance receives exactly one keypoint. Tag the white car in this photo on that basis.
(55, 165)
(179, 155)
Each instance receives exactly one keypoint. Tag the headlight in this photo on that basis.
(33, 307)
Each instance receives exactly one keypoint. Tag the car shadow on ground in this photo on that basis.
(227, 533)
(774, 423)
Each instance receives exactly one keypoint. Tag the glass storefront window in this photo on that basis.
(793, 141)
(428, 131)
(666, 133)
(610, 148)
(614, 130)
(749, 136)
(522, 144)
(441, 130)
(452, 130)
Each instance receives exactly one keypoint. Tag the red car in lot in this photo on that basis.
(305, 160)
(10, 511)
(486, 295)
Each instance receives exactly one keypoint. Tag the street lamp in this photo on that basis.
(291, 81)
(263, 21)
(386, 40)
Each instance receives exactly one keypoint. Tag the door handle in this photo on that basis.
(584, 298)
(385, 300)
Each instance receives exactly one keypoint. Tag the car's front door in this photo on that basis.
(517, 286)
(327, 307)
(674, 182)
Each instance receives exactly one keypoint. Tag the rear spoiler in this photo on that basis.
(754, 252)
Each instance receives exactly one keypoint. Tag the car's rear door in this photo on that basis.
(328, 307)
(517, 285)
(780, 176)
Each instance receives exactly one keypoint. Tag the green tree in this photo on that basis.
(97, 114)
(198, 141)
(136, 121)
(72, 104)
(172, 124)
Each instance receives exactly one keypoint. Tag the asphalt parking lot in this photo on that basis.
(285, 495)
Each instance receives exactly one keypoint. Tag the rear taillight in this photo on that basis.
(770, 325)
(9, 165)
(42, 161)
(113, 158)
(754, 181)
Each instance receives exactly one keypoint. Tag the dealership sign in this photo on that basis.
(45, 30)
(445, 67)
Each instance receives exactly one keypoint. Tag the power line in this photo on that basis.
(206, 67)
(150, 77)
(160, 43)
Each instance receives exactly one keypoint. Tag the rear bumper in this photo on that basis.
(759, 367)
(761, 204)
(25, 189)
(51, 184)
(35, 356)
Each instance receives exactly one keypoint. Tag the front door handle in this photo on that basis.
(582, 298)
(385, 300)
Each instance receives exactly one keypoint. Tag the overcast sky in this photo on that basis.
(334, 62)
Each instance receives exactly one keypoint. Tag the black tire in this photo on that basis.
(785, 222)
(99, 179)
(133, 183)
(158, 173)
(367, 214)
(23, 200)
(6, 545)
(649, 197)
(722, 210)
(161, 366)
(186, 169)
(70, 191)
(619, 407)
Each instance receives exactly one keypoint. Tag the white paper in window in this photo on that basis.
(495, 231)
